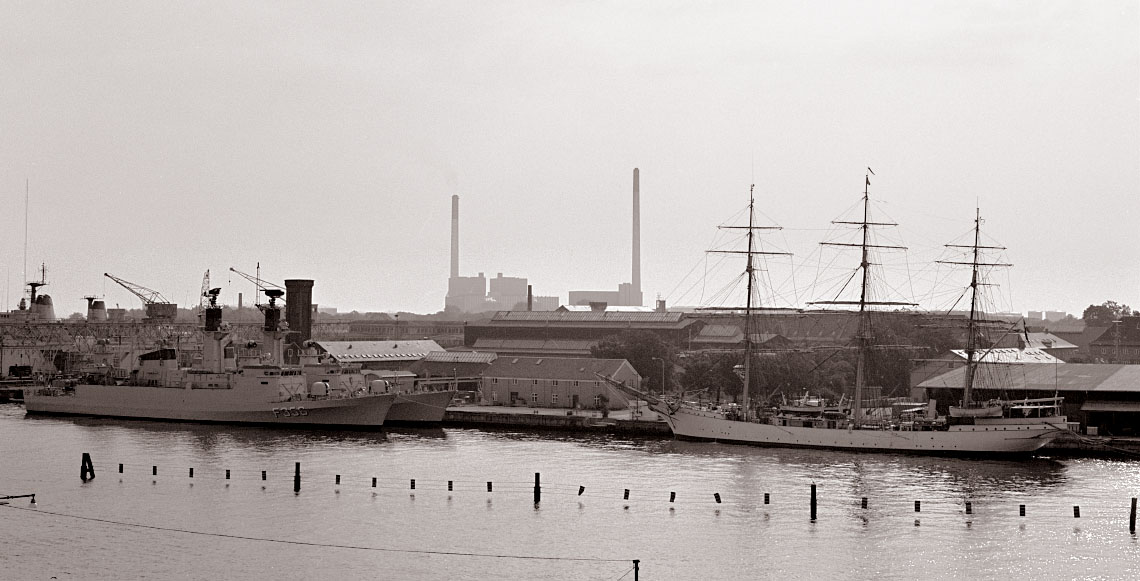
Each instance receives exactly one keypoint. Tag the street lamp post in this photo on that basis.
(662, 373)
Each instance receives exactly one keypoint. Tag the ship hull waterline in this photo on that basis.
(210, 406)
(998, 437)
(426, 407)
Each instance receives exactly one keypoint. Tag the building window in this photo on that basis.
(536, 382)
(534, 398)
(575, 383)
(554, 399)
(597, 400)
(494, 396)
(494, 380)
(554, 382)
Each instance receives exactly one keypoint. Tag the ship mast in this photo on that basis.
(750, 272)
(863, 338)
(972, 323)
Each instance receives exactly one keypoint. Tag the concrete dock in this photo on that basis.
(623, 422)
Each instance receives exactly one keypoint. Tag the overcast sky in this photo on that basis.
(325, 139)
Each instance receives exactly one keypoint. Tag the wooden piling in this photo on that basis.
(297, 477)
(672, 496)
(373, 482)
(338, 478)
(86, 468)
(581, 489)
(765, 498)
(154, 470)
(449, 489)
(413, 484)
(636, 568)
(1021, 509)
(120, 468)
(1076, 512)
(227, 474)
(918, 506)
(488, 486)
(537, 488)
(263, 475)
(626, 495)
(813, 503)
(864, 503)
(969, 508)
(716, 496)
(1132, 517)
(191, 473)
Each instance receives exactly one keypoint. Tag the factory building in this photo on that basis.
(551, 382)
(469, 294)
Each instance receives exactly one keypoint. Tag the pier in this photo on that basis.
(621, 422)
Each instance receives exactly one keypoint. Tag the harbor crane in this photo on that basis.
(154, 304)
(260, 285)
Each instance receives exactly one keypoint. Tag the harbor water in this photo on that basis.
(140, 524)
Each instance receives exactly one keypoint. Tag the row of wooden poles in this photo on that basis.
(87, 472)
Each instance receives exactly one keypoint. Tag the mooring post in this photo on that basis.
(537, 488)
(449, 489)
(864, 503)
(488, 486)
(413, 484)
(373, 482)
(263, 475)
(1021, 509)
(191, 473)
(338, 478)
(969, 508)
(1132, 517)
(716, 497)
(154, 470)
(813, 502)
(120, 467)
(227, 474)
(626, 495)
(636, 562)
(581, 489)
(86, 468)
(297, 477)
(672, 496)
(1076, 512)
(918, 506)
(765, 498)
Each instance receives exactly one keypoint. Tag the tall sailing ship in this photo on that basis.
(990, 427)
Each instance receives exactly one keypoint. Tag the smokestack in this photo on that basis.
(636, 237)
(529, 298)
(454, 235)
(298, 307)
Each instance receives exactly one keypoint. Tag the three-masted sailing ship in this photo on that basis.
(991, 427)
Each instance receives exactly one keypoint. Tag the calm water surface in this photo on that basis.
(138, 526)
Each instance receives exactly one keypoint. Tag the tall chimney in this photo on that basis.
(454, 235)
(636, 237)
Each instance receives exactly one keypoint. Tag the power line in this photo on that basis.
(314, 544)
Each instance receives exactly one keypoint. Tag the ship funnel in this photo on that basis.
(299, 308)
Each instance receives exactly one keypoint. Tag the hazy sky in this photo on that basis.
(325, 139)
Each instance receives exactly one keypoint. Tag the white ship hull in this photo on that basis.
(986, 436)
(210, 405)
(426, 407)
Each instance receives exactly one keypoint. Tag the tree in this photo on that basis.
(711, 373)
(1104, 314)
(643, 350)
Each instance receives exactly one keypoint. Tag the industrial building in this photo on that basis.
(469, 294)
(628, 293)
(553, 382)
